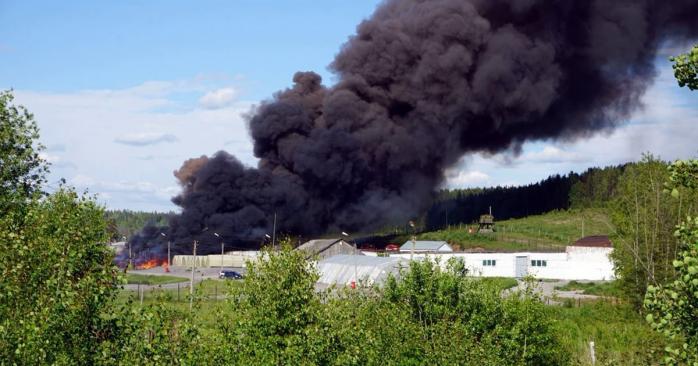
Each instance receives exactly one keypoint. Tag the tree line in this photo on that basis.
(594, 187)
(126, 223)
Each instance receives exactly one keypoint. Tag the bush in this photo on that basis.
(57, 279)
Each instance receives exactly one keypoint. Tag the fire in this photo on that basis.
(153, 263)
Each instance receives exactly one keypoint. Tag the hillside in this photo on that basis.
(550, 231)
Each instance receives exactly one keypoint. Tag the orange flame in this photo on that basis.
(152, 263)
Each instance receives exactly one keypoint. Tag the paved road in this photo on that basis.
(199, 275)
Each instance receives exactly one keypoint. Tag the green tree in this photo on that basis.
(56, 281)
(645, 218)
(467, 321)
(22, 170)
(686, 69)
(673, 307)
(275, 313)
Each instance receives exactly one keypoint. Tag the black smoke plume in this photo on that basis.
(420, 85)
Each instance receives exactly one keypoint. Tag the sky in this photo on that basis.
(125, 91)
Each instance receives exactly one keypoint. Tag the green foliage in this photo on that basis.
(673, 307)
(686, 69)
(154, 334)
(57, 278)
(596, 187)
(22, 170)
(645, 218)
(503, 283)
(466, 321)
(620, 334)
(275, 313)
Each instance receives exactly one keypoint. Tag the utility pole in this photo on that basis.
(273, 233)
(191, 284)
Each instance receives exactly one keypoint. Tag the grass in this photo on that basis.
(610, 289)
(550, 231)
(504, 283)
(134, 278)
(620, 335)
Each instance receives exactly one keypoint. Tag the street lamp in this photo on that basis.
(353, 284)
(222, 249)
(414, 239)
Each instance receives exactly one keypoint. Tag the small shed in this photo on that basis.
(425, 246)
(325, 248)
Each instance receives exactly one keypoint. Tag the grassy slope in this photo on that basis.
(552, 230)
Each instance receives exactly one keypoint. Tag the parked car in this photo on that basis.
(230, 274)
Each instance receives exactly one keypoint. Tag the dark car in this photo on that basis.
(230, 274)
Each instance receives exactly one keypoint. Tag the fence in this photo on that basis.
(179, 292)
(214, 260)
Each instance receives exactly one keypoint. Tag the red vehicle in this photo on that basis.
(392, 247)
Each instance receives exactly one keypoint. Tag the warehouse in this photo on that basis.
(325, 248)
(425, 246)
(586, 259)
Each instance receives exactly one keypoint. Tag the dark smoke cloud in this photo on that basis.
(421, 84)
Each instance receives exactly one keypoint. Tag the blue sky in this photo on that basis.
(125, 91)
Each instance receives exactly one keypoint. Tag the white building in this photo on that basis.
(425, 246)
(344, 269)
(586, 259)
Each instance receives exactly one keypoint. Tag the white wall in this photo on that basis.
(230, 259)
(577, 263)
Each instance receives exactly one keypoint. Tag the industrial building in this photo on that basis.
(425, 246)
(325, 248)
(586, 259)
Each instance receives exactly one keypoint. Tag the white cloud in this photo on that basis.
(134, 191)
(83, 126)
(552, 155)
(465, 179)
(217, 99)
(145, 139)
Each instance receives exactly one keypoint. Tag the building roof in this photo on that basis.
(318, 246)
(594, 241)
(342, 269)
(424, 245)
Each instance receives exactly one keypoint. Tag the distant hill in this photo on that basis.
(593, 188)
(551, 231)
